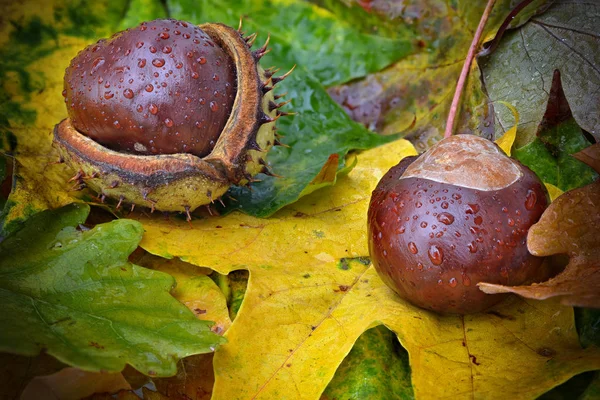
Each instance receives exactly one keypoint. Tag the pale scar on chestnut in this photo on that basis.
(454, 216)
(169, 115)
(467, 161)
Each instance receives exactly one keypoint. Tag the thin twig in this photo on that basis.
(460, 85)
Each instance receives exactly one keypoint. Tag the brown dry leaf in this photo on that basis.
(194, 380)
(17, 371)
(73, 384)
(569, 226)
(591, 156)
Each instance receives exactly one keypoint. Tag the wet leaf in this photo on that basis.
(319, 130)
(565, 37)
(73, 294)
(330, 48)
(569, 226)
(311, 293)
(413, 96)
(376, 368)
(193, 288)
(558, 136)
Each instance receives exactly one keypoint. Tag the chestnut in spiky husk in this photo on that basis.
(168, 114)
(454, 216)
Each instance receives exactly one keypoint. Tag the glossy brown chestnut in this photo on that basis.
(452, 217)
(163, 87)
(169, 115)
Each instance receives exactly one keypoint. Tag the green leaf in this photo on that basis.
(319, 129)
(413, 95)
(5, 183)
(559, 136)
(376, 368)
(75, 295)
(593, 390)
(520, 70)
(588, 326)
(303, 34)
(143, 10)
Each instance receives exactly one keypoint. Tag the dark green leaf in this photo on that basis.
(592, 392)
(377, 368)
(558, 136)
(588, 326)
(584, 386)
(319, 129)
(520, 70)
(302, 34)
(413, 95)
(574, 388)
(73, 294)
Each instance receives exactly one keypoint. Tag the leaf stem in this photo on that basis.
(465, 70)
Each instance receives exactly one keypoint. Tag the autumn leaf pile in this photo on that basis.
(274, 296)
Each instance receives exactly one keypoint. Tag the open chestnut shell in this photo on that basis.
(143, 162)
(452, 217)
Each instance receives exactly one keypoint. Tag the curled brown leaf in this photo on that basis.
(569, 226)
(591, 156)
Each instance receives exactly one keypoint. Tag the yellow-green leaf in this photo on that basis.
(553, 191)
(193, 288)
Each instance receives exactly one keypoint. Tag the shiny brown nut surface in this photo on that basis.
(452, 217)
(163, 87)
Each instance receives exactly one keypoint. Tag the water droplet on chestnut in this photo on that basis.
(412, 247)
(445, 218)
(530, 200)
(158, 62)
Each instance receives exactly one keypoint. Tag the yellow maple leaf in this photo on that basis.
(311, 293)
